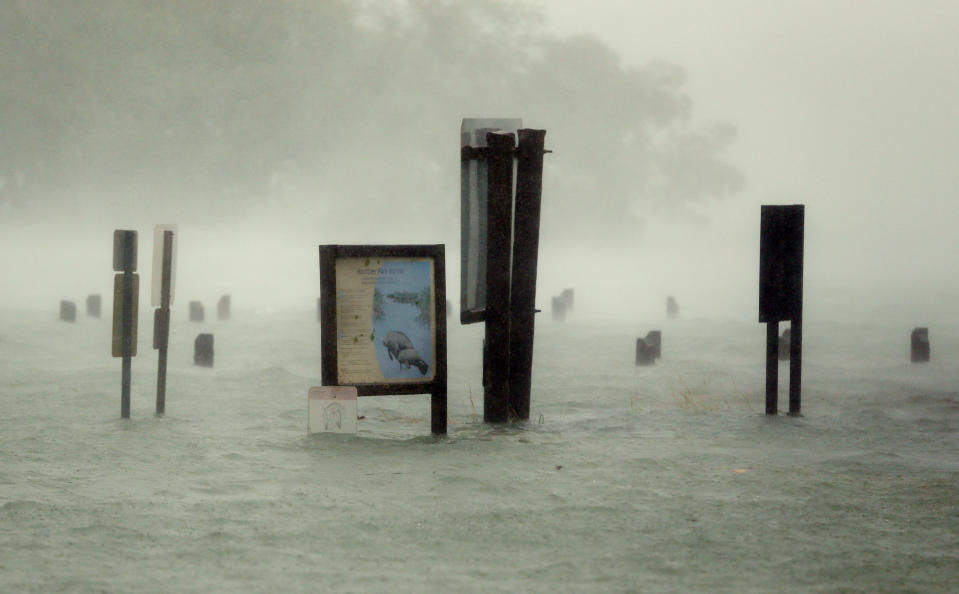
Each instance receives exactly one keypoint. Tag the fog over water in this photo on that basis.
(265, 133)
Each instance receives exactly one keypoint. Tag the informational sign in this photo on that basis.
(331, 409)
(155, 295)
(780, 262)
(118, 314)
(384, 318)
(473, 194)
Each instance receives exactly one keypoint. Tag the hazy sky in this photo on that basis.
(851, 107)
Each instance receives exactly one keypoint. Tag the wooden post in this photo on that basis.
(529, 189)
(161, 329)
(772, 368)
(499, 231)
(795, 365)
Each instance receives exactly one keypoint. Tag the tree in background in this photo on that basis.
(326, 109)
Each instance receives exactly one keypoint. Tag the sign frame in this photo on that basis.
(329, 255)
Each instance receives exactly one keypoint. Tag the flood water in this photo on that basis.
(665, 478)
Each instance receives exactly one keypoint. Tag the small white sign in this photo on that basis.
(155, 298)
(331, 409)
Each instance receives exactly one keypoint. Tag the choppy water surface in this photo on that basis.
(664, 478)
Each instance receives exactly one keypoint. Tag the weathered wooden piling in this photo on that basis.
(223, 308)
(672, 307)
(93, 306)
(919, 339)
(196, 311)
(68, 311)
(529, 189)
(645, 353)
(654, 341)
(203, 350)
(557, 309)
(568, 296)
(499, 227)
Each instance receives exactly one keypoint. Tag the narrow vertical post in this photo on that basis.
(772, 368)
(795, 365)
(163, 330)
(529, 189)
(499, 231)
(438, 411)
(125, 296)
(127, 349)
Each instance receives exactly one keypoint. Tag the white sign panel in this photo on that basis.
(155, 298)
(473, 214)
(331, 409)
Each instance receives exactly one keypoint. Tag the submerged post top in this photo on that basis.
(124, 250)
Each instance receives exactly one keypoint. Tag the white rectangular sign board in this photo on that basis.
(155, 297)
(473, 214)
(331, 409)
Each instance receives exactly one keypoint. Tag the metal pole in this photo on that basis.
(529, 189)
(772, 368)
(164, 330)
(126, 342)
(499, 230)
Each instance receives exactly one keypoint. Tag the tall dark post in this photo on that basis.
(781, 294)
(772, 368)
(161, 327)
(125, 298)
(499, 230)
(529, 189)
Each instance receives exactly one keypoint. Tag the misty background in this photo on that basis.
(267, 128)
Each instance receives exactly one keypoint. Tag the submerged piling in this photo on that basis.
(93, 306)
(68, 311)
(203, 350)
(919, 345)
(196, 311)
(223, 308)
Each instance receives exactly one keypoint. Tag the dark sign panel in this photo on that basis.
(119, 312)
(780, 262)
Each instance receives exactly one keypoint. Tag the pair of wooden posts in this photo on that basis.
(126, 292)
(500, 252)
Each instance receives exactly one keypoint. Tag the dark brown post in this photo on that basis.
(529, 189)
(438, 412)
(795, 365)
(499, 230)
(772, 368)
(161, 326)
